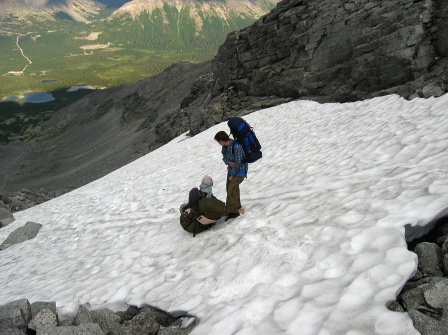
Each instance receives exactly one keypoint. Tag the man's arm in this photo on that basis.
(224, 155)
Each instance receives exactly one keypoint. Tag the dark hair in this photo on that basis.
(222, 136)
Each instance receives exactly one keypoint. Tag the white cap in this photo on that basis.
(207, 181)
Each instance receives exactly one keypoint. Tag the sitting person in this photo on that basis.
(204, 191)
(203, 208)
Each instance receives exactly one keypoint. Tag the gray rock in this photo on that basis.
(6, 217)
(37, 306)
(444, 228)
(182, 326)
(83, 316)
(427, 325)
(11, 318)
(12, 332)
(413, 299)
(108, 321)
(85, 329)
(436, 293)
(21, 234)
(445, 247)
(440, 242)
(163, 318)
(142, 324)
(44, 318)
(66, 322)
(25, 308)
(129, 314)
(445, 264)
(429, 259)
(415, 283)
(433, 90)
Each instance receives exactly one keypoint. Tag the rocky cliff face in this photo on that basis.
(330, 50)
(339, 50)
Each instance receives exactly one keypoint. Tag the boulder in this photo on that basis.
(40, 318)
(11, 318)
(21, 234)
(413, 299)
(12, 332)
(85, 329)
(25, 308)
(108, 321)
(44, 318)
(129, 314)
(37, 306)
(436, 293)
(163, 318)
(429, 259)
(142, 324)
(83, 316)
(6, 217)
(427, 325)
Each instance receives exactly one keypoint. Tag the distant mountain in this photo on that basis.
(219, 7)
(110, 42)
(83, 10)
(48, 4)
(181, 23)
(79, 10)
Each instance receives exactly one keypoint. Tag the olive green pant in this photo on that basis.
(233, 201)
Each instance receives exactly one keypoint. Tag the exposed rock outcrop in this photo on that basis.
(6, 216)
(21, 317)
(425, 296)
(24, 198)
(328, 50)
(21, 234)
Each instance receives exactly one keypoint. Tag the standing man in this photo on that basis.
(233, 157)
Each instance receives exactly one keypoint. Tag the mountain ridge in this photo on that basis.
(135, 7)
(79, 10)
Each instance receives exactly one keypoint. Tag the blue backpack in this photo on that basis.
(244, 134)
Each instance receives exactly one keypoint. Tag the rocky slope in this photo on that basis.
(326, 50)
(98, 134)
(331, 50)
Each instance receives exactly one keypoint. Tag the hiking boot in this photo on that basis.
(232, 216)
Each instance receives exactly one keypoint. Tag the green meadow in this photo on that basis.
(103, 53)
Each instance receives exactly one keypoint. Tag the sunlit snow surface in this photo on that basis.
(321, 247)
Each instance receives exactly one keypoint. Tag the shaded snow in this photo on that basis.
(320, 250)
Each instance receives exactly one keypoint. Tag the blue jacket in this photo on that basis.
(234, 153)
